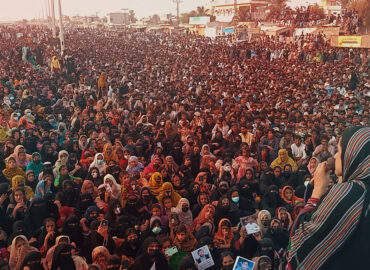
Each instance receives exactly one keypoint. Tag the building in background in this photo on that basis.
(331, 6)
(118, 18)
(224, 10)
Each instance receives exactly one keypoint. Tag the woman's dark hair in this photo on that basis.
(129, 231)
(18, 189)
(48, 220)
(226, 254)
(181, 228)
(226, 223)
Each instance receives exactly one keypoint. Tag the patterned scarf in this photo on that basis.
(324, 230)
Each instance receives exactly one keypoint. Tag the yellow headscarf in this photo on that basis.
(111, 156)
(3, 134)
(19, 179)
(154, 186)
(283, 159)
(11, 172)
(175, 197)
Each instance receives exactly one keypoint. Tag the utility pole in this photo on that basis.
(177, 9)
(61, 30)
(236, 13)
(48, 13)
(53, 19)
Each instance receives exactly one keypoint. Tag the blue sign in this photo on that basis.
(228, 30)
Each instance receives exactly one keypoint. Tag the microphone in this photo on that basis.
(330, 164)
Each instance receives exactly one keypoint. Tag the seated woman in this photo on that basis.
(18, 251)
(20, 181)
(224, 235)
(18, 205)
(183, 211)
(155, 183)
(168, 191)
(285, 218)
(12, 169)
(287, 194)
(206, 215)
(283, 159)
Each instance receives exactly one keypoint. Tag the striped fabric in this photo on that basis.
(332, 222)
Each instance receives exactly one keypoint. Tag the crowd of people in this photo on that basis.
(133, 143)
(349, 21)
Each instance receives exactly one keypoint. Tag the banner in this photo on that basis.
(349, 41)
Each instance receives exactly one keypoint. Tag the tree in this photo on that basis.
(244, 14)
(132, 16)
(184, 17)
(276, 6)
(201, 11)
(317, 10)
(362, 7)
(344, 3)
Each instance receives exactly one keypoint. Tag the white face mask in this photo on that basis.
(94, 174)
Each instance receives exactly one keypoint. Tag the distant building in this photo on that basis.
(118, 18)
(331, 6)
(224, 9)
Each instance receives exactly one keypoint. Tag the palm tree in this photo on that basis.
(201, 11)
(244, 14)
(132, 16)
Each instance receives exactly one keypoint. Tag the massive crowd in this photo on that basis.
(349, 21)
(133, 143)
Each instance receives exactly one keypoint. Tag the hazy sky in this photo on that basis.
(28, 9)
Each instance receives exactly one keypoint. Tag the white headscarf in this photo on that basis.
(100, 167)
(116, 188)
(185, 217)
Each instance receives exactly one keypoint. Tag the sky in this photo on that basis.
(28, 9)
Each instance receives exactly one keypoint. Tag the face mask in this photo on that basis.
(29, 114)
(126, 156)
(156, 230)
(228, 267)
(275, 230)
(100, 161)
(265, 222)
(16, 118)
(133, 187)
(145, 197)
(185, 209)
(94, 174)
(235, 199)
(225, 208)
(36, 161)
(168, 193)
(153, 252)
(134, 242)
(223, 190)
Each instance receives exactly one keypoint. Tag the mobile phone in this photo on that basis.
(171, 251)
(104, 223)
